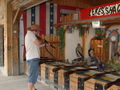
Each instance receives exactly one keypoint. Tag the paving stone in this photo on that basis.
(19, 83)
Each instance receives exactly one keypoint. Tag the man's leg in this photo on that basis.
(30, 86)
(34, 87)
(33, 74)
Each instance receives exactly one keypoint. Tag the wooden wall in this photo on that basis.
(2, 10)
(11, 66)
(74, 3)
(101, 51)
(55, 52)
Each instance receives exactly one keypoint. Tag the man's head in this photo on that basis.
(91, 52)
(34, 27)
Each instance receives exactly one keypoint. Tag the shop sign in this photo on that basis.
(106, 10)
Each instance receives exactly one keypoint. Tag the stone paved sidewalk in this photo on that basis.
(19, 83)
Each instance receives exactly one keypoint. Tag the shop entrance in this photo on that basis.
(1, 47)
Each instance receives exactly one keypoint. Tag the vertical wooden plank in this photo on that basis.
(11, 66)
(8, 39)
(54, 40)
(48, 38)
(51, 40)
(42, 49)
(15, 48)
(100, 51)
(83, 45)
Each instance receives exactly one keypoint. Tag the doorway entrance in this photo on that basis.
(1, 47)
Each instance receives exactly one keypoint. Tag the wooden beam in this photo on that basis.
(17, 15)
(1, 12)
(109, 25)
(11, 65)
(8, 56)
(15, 48)
(74, 3)
(24, 3)
(9, 1)
(2, 22)
(1, 19)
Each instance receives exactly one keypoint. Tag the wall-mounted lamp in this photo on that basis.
(96, 24)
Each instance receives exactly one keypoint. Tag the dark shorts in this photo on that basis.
(33, 66)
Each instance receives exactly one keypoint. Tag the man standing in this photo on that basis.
(32, 45)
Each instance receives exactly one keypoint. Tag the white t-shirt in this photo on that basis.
(32, 50)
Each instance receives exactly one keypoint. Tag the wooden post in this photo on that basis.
(8, 39)
(84, 41)
(15, 48)
(10, 42)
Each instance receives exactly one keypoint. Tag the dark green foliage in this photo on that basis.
(80, 28)
(100, 33)
(61, 34)
(113, 65)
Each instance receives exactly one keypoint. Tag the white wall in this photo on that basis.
(71, 41)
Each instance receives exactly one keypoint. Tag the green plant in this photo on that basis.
(106, 43)
(80, 28)
(112, 65)
(61, 34)
(100, 33)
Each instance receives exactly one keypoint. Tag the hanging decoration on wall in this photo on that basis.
(113, 35)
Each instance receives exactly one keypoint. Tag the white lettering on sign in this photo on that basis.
(107, 10)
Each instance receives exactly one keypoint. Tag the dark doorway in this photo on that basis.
(1, 47)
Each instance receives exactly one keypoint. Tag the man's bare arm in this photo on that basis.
(39, 43)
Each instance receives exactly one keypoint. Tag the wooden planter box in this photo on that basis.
(105, 80)
(64, 80)
(83, 80)
(114, 87)
(52, 76)
(80, 81)
(42, 71)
